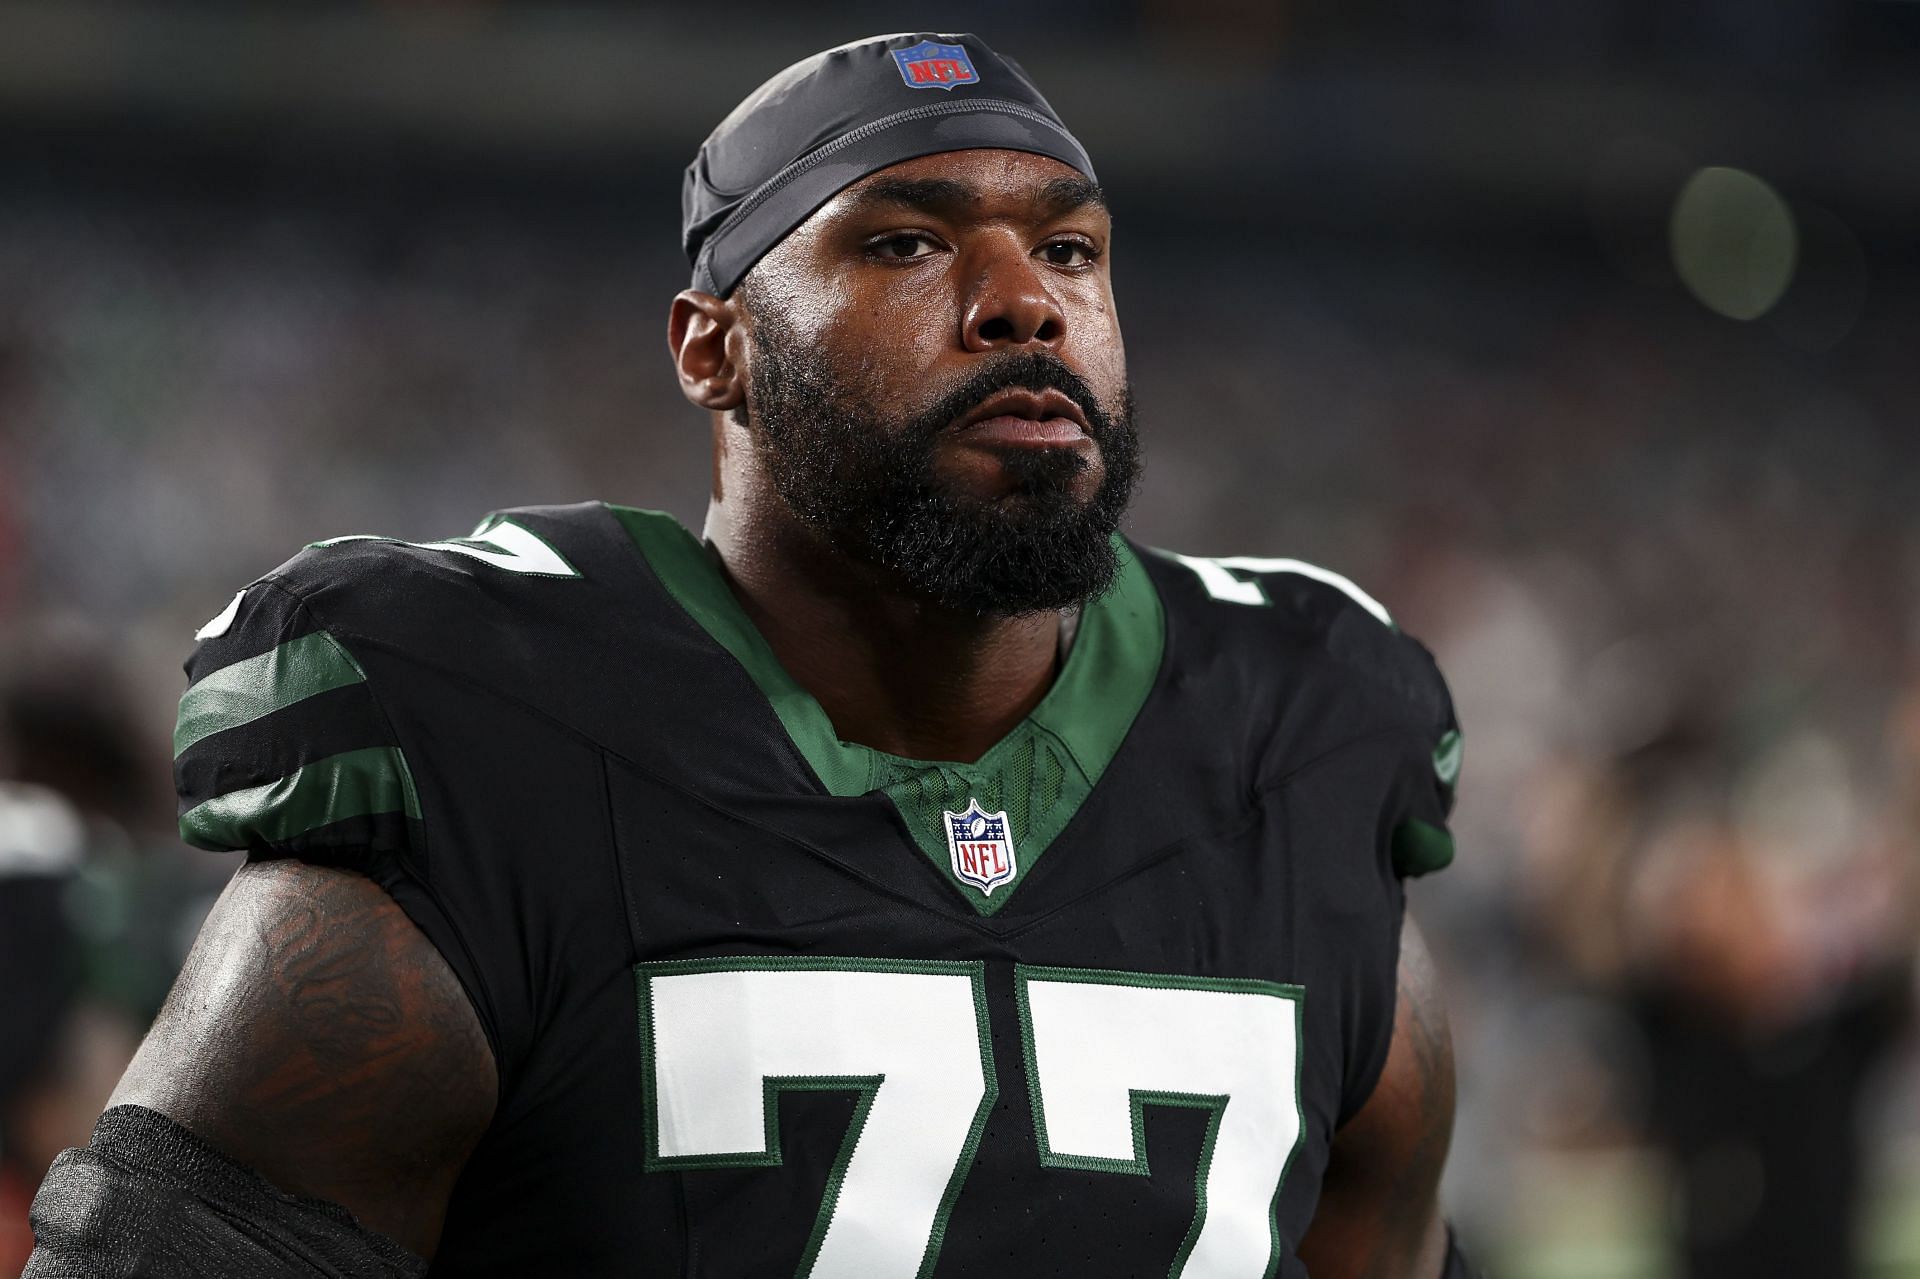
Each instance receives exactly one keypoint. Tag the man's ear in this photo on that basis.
(701, 340)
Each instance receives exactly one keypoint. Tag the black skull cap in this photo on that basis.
(829, 120)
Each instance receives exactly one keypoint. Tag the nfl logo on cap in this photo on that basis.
(935, 66)
(981, 848)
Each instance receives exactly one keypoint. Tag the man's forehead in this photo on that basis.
(974, 177)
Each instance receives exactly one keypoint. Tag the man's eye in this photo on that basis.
(1068, 253)
(899, 248)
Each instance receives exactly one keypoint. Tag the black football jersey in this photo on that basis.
(768, 1003)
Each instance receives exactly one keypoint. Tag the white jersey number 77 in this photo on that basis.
(722, 1039)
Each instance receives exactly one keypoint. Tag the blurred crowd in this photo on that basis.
(1668, 561)
(97, 904)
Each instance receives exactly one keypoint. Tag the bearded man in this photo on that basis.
(911, 878)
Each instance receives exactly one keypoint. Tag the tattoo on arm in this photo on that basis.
(317, 1036)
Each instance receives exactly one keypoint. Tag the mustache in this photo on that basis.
(1016, 371)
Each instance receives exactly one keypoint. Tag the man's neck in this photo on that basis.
(891, 672)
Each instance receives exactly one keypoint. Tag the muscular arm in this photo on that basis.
(316, 1036)
(1379, 1214)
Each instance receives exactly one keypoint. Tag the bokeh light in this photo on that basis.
(1734, 242)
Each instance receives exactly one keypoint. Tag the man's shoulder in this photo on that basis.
(1295, 629)
(519, 570)
(302, 692)
(498, 606)
(1310, 665)
(507, 551)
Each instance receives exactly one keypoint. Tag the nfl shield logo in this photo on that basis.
(935, 66)
(981, 848)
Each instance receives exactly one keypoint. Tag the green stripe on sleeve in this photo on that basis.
(1420, 848)
(245, 691)
(356, 784)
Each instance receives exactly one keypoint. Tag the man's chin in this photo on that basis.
(1021, 554)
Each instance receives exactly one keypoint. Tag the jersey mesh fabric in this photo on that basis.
(1026, 785)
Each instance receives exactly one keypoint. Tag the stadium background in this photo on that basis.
(1581, 334)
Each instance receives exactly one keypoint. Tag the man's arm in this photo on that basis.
(317, 1037)
(1379, 1214)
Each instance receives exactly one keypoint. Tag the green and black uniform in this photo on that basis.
(767, 1003)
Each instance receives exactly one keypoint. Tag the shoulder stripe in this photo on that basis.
(274, 746)
(1314, 572)
(354, 784)
(246, 690)
(222, 622)
(268, 614)
(1217, 575)
(499, 542)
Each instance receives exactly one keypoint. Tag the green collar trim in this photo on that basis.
(1038, 774)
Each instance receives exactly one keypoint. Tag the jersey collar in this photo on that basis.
(1039, 773)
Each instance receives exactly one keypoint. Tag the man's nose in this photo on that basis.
(1010, 305)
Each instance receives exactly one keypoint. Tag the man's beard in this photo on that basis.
(869, 485)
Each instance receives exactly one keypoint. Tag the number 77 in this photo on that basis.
(721, 1039)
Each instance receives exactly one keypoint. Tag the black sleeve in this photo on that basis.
(1430, 769)
(283, 748)
(1412, 763)
(1394, 686)
(280, 747)
(1386, 761)
(146, 1198)
(1425, 767)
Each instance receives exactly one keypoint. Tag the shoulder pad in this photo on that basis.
(407, 595)
(279, 745)
(1307, 610)
(1313, 608)
(282, 740)
(501, 541)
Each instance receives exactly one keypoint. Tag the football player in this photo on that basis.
(910, 877)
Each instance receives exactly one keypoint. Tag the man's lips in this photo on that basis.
(1019, 417)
